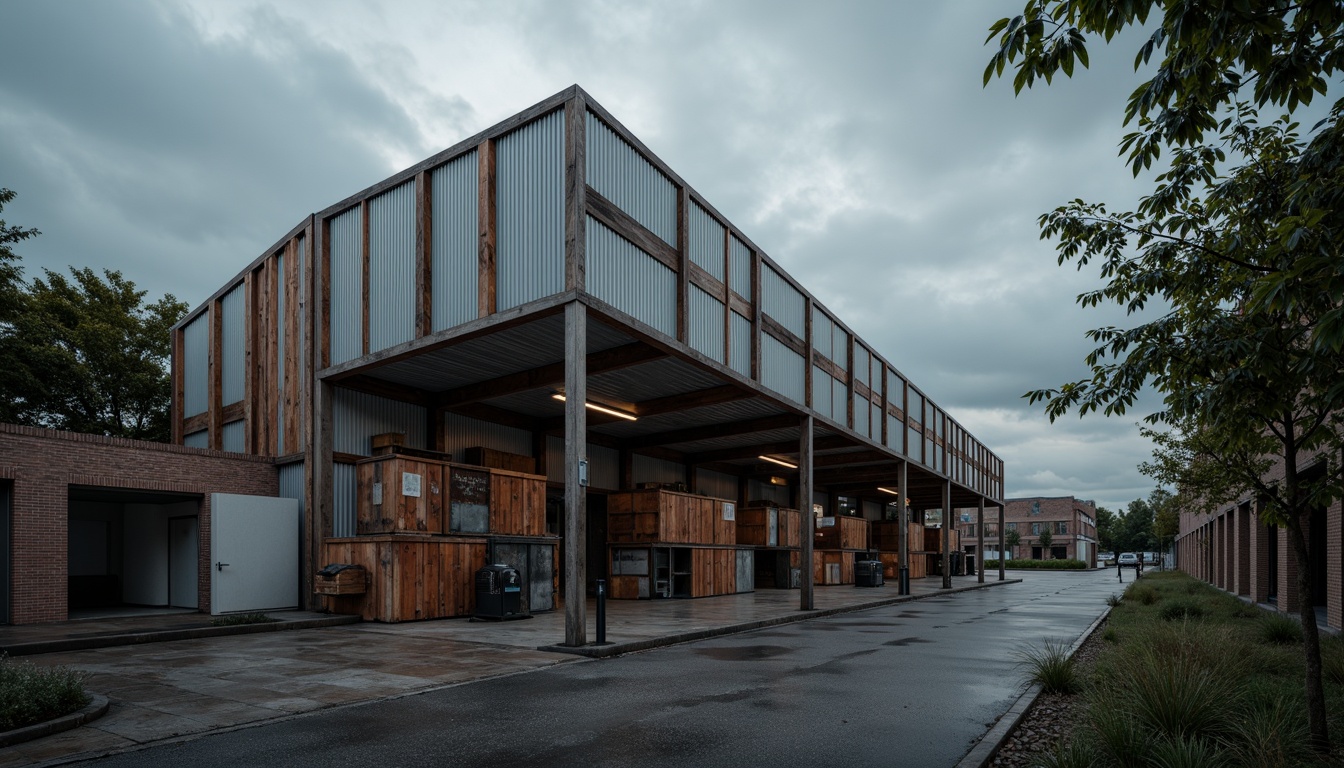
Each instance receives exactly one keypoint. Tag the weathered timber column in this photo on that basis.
(903, 535)
(947, 534)
(805, 511)
(1003, 552)
(576, 494)
(980, 543)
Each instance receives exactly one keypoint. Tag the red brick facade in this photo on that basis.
(1234, 550)
(42, 464)
(1077, 516)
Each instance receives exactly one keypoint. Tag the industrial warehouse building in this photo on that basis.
(542, 347)
(1071, 522)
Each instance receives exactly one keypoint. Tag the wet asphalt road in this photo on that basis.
(908, 685)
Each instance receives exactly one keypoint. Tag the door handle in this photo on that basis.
(220, 566)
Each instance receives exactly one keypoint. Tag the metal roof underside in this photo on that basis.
(686, 410)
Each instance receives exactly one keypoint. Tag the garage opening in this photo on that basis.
(132, 552)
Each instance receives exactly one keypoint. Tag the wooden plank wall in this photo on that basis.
(823, 558)
(668, 517)
(713, 572)
(517, 503)
(414, 577)
(753, 527)
(398, 512)
(848, 533)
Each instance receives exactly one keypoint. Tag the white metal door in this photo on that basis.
(254, 553)
(183, 562)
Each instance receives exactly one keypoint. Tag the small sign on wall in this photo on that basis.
(729, 511)
(410, 484)
(377, 494)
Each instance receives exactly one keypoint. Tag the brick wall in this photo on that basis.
(43, 463)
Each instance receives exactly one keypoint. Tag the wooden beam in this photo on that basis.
(691, 434)
(698, 399)
(576, 458)
(390, 390)
(424, 254)
(788, 447)
(547, 375)
(485, 210)
(784, 336)
(322, 295)
(806, 444)
(576, 147)
(626, 226)
(947, 534)
(683, 259)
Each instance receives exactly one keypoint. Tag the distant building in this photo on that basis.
(1072, 524)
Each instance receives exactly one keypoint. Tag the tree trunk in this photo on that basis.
(1311, 637)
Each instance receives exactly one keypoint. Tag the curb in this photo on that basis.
(993, 740)
(166, 635)
(618, 649)
(96, 708)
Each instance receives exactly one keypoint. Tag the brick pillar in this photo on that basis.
(1288, 598)
(1220, 552)
(1259, 560)
(1334, 568)
(1243, 550)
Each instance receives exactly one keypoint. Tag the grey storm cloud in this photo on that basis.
(852, 141)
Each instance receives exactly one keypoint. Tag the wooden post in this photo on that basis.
(1003, 558)
(980, 545)
(947, 534)
(576, 439)
(902, 485)
(576, 119)
(321, 514)
(805, 510)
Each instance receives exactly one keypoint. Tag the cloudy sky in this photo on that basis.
(852, 141)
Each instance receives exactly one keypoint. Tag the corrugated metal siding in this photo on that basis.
(630, 279)
(646, 469)
(199, 439)
(759, 491)
(233, 437)
(604, 464)
(454, 234)
(624, 177)
(740, 264)
(705, 239)
(839, 406)
(740, 348)
(821, 392)
(196, 366)
(281, 321)
(530, 208)
(862, 364)
(872, 510)
(232, 333)
(821, 333)
(356, 416)
(343, 492)
(347, 287)
(291, 483)
(783, 302)
(716, 484)
(861, 415)
(782, 369)
(895, 439)
(705, 323)
(462, 432)
(392, 284)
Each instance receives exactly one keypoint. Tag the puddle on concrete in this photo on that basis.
(904, 641)
(745, 652)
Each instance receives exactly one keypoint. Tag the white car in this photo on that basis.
(1128, 559)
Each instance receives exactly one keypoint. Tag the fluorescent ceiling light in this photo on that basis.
(892, 491)
(601, 409)
(780, 462)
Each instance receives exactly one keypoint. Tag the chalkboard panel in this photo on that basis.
(468, 501)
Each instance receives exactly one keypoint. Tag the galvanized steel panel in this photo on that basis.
(821, 392)
(232, 332)
(292, 484)
(914, 444)
(716, 484)
(604, 468)
(630, 280)
(196, 366)
(454, 235)
(739, 258)
(392, 283)
(915, 413)
(875, 413)
(739, 348)
(233, 437)
(659, 378)
(782, 369)
(343, 493)
(463, 432)
(705, 323)
(530, 212)
(821, 333)
(624, 177)
(783, 302)
(347, 287)
(356, 416)
(839, 401)
(861, 416)
(733, 441)
(895, 437)
(840, 346)
(646, 469)
(862, 364)
(704, 237)
(775, 494)
(199, 439)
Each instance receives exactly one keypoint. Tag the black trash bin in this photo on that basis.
(955, 558)
(499, 592)
(868, 573)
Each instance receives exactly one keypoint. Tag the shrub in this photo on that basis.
(1278, 629)
(238, 619)
(1187, 753)
(1113, 600)
(1181, 610)
(31, 694)
(1118, 733)
(1274, 734)
(1332, 660)
(1178, 697)
(1141, 593)
(1071, 754)
(1050, 665)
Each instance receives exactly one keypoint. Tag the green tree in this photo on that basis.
(1236, 251)
(1012, 538)
(1046, 539)
(11, 275)
(1166, 523)
(1106, 522)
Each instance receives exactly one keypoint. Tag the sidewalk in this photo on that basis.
(167, 691)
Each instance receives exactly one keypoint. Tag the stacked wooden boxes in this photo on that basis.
(773, 527)
(425, 525)
(887, 540)
(670, 543)
(834, 544)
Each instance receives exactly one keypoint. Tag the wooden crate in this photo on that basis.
(824, 565)
(350, 581)
(398, 494)
(933, 540)
(753, 527)
(410, 577)
(657, 516)
(713, 572)
(517, 503)
(886, 535)
(848, 533)
(489, 457)
(891, 564)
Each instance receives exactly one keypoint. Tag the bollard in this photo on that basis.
(1119, 572)
(903, 586)
(601, 612)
